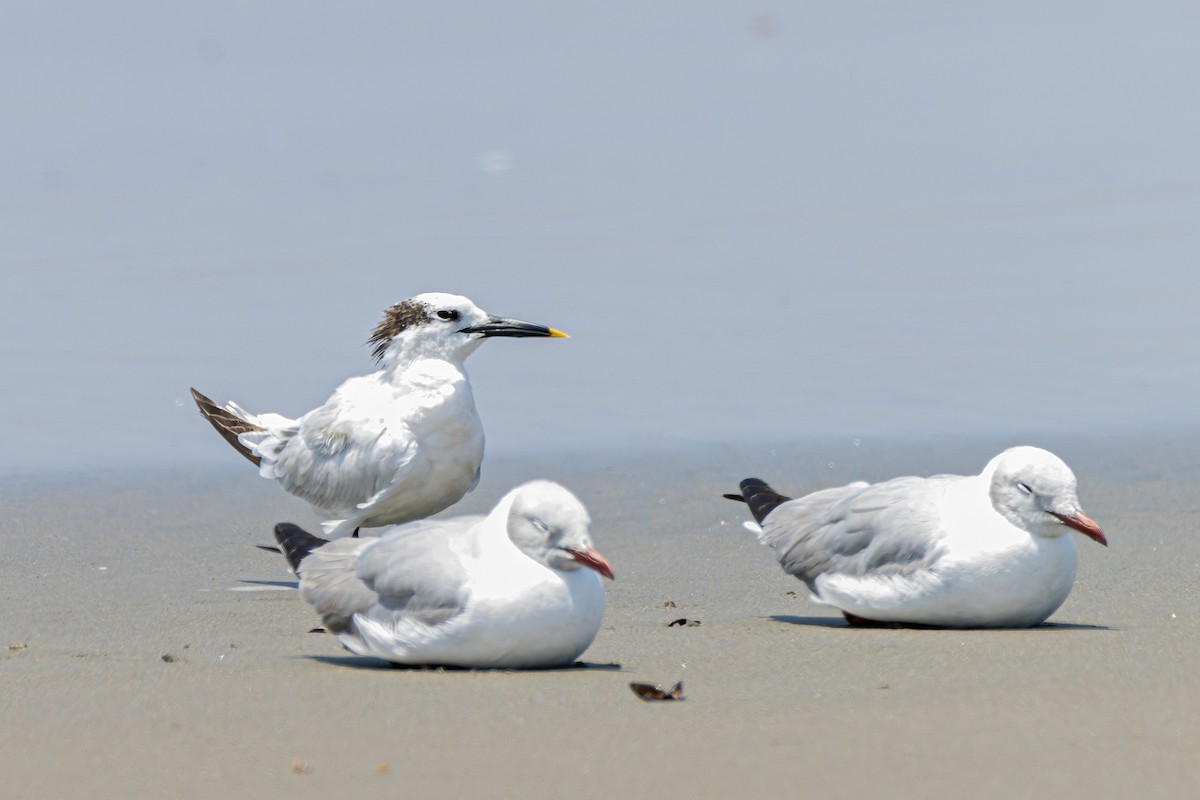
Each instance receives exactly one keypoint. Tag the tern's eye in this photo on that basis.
(447, 314)
(1024, 488)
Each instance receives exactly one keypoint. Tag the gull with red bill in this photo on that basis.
(991, 550)
(518, 588)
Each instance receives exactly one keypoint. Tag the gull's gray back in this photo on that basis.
(415, 569)
(883, 528)
(412, 571)
(328, 582)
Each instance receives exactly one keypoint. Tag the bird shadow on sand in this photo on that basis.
(280, 584)
(839, 622)
(367, 663)
(812, 622)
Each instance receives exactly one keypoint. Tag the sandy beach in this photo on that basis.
(150, 650)
(776, 235)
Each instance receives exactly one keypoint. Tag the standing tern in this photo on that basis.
(397, 445)
(984, 551)
(504, 590)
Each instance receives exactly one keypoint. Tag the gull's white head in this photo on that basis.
(447, 326)
(1034, 490)
(551, 526)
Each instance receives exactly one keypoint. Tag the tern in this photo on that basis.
(399, 444)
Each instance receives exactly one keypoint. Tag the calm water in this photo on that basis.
(859, 220)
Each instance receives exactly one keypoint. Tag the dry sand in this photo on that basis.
(104, 576)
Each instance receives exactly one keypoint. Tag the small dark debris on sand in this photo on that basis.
(650, 692)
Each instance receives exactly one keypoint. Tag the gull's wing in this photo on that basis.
(882, 529)
(404, 583)
(328, 581)
(416, 571)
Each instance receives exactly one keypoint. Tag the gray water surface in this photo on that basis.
(845, 219)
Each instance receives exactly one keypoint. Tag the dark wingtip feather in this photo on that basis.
(227, 425)
(761, 498)
(296, 543)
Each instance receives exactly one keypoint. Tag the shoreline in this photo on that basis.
(917, 451)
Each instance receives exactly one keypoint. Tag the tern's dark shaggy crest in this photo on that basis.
(396, 320)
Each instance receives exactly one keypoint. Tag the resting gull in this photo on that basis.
(518, 588)
(991, 550)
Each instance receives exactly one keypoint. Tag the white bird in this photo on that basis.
(397, 445)
(984, 551)
(503, 590)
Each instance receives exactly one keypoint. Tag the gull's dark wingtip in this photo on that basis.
(296, 543)
(760, 497)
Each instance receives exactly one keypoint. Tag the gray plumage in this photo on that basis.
(414, 574)
(857, 529)
(517, 588)
(986, 550)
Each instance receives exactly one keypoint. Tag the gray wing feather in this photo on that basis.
(412, 573)
(415, 571)
(329, 583)
(859, 529)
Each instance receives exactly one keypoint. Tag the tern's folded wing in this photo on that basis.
(335, 462)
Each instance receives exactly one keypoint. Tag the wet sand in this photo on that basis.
(105, 576)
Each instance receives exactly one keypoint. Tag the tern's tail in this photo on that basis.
(228, 424)
(296, 542)
(339, 528)
(761, 498)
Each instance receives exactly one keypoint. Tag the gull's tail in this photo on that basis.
(228, 424)
(761, 498)
(296, 543)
